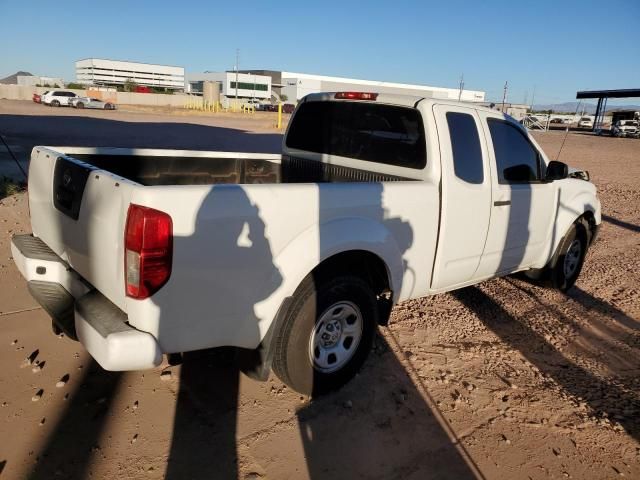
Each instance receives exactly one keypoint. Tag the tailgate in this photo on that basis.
(80, 213)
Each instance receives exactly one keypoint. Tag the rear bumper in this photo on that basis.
(80, 310)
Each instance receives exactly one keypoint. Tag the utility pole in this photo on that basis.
(237, 67)
(533, 96)
(461, 86)
(504, 95)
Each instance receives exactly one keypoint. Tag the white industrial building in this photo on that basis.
(296, 85)
(249, 85)
(98, 71)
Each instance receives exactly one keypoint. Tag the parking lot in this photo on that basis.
(504, 380)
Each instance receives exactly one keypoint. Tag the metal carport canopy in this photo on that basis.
(625, 93)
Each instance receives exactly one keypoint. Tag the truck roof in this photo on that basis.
(394, 99)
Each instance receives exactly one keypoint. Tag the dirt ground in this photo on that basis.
(504, 380)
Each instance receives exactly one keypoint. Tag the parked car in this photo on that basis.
(37, 98)
(57, 98)
(288, 108)
(296, 258)
(88, 102)
(252, 103)
(556, 120)
(625, 128)
(585, 122)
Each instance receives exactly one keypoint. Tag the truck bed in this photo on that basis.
(167, 167)
(187, 170)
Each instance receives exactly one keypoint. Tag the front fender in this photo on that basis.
(571, 206)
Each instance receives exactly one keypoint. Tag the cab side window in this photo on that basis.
(517, 161)
(465, 146)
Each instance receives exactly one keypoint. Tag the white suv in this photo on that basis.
(57, 98)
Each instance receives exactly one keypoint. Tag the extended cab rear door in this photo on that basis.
(524, 204)
(465, 196)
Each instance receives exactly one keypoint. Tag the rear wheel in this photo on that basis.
(79, 105)
(55, 103)
(327, 334)
(108, 106)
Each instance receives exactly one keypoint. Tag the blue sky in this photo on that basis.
(556, 47)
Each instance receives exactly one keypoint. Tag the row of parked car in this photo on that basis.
(63, 98)
(268, 107)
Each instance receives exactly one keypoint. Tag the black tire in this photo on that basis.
(292, 360)
(55, 103)
(566, 266)
(108, 106)
(79, 105)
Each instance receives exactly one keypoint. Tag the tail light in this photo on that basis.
(148, 251)
(356, 95)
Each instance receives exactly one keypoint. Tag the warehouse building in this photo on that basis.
(98, 71)
(296, 85)
(247, 86)
(229, 86)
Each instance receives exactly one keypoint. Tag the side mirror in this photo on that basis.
(557, 170)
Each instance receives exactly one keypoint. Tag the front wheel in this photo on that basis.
(326, 335)
(79, 105)
(55, 103)
(569, 258)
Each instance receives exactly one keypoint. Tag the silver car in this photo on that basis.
(88, 102)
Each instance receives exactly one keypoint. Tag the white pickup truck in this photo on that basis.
(296, 258)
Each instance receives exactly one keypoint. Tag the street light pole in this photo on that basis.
(237, 67)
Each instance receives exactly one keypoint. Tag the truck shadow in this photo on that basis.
(605, 398)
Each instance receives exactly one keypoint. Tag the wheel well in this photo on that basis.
(370, 267)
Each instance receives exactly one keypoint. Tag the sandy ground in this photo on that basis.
(505, 380)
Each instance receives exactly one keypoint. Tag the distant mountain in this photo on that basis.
(577, 106)
(13, 79)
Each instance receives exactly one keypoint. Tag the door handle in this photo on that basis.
(502, 203)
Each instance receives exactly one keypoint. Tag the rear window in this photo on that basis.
(364, 131)
(465, 146)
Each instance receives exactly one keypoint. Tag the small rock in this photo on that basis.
(14, 342)
(38, 367)
(165, 375)
(135, 437)
(63, 381)
(42, 421)
(66, 396)
(37, 396)
(348, 404)
(31, 358)
(135, 405)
